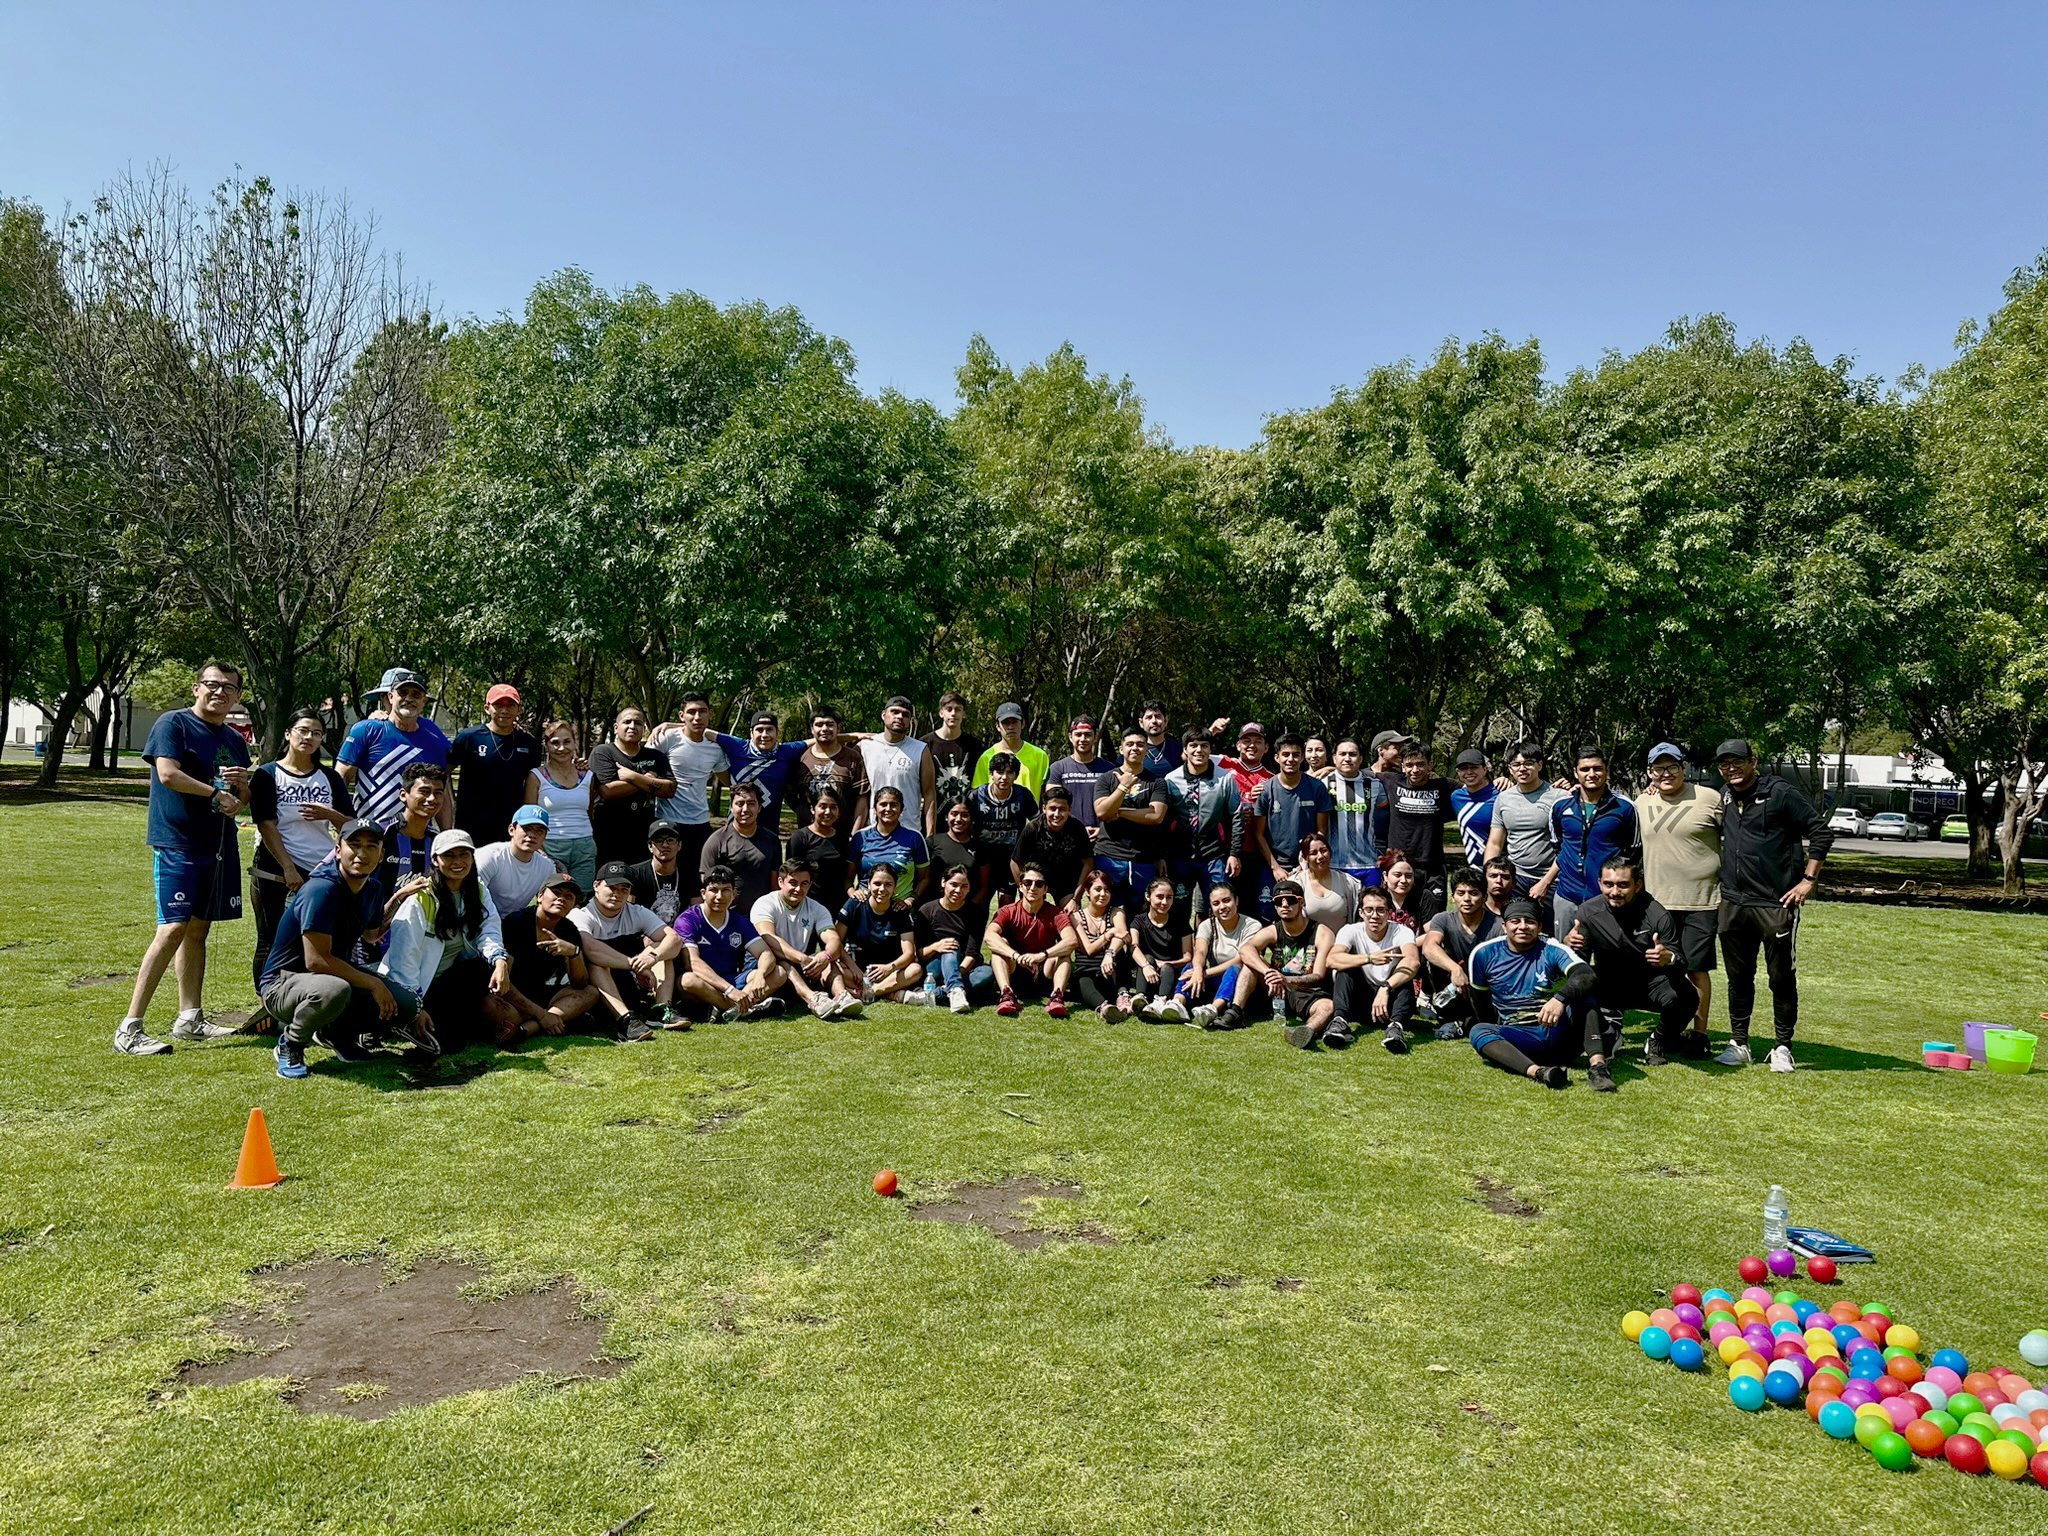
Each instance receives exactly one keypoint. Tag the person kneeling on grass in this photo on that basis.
(630, 953)
(1028, 944)
(550, 982)
(1290, 956)
(1375, 961)
(723, 980)
(1216, 986)
(1623, 932)
(1534, 1000)
(878, 947)
(448, 950)
(949, 942)
(311, 985)
(795, 947)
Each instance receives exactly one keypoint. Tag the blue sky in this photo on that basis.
(1241, 207)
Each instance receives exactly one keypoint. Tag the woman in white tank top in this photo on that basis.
(565, 791)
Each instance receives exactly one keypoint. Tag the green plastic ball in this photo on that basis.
(1871, 1427)
(1892, 1452)
(1946, 1421)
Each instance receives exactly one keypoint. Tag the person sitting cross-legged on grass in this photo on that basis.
(948, 935)
(448, 950)
(1290, 958)
(795, 947)
(1449, 938)
(1374, 963)
(1216, 986)
(1161, 948)
(1029, 942)
(1625, 932)
(550, 982)
(1102, 941)
(311, 984)
(723, 979)
(630, 952)
(1534, 1000)
(877, 946)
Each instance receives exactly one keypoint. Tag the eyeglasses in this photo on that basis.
(214, 685)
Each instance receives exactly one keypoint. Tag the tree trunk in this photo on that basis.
(272, 681)
(97, 757)
(1978, 866)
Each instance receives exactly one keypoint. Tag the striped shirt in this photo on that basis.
(380, 753)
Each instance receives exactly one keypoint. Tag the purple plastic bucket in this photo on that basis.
(1973, 1038)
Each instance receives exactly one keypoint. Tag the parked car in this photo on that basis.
(1893, 824)
(1848, 819)
(1956, 830)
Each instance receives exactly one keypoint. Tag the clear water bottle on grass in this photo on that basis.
(1777, 1212)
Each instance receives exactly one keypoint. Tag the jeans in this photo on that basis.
(1193, 879)
(1127, 880)
(944, 973)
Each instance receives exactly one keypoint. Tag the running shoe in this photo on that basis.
(1176, 1008)
(1694, 1045)
(1449, 1029)
(673, 1017)
(1056, 1006)
(1007, 1006)
(1736, 1055)
(291, 1058)
(1781, 1059)
(850, 1007)
(417, 1036)
(1204, 1016)
(918, 997)
(1300, 1036)
(1600, 1078)
(1337, 1035)
(957, 999)
(767, 1008)
(197, 1026)
(131, 1039)
(1556, 1077)
(1653, 1053)
(1395, 1040)
(347, 1047)
(638, 1029)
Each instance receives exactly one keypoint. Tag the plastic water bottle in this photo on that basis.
(1777, 1211)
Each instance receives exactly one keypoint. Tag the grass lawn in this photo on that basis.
(805, 1357)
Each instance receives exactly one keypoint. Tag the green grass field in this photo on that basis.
(805, 1357)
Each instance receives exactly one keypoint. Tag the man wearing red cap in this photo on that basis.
(491, 764)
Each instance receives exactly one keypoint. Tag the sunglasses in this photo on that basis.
(1286, 901)
(1031, 885)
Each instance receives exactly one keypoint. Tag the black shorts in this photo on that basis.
(1295, 1002)
(1694, 939)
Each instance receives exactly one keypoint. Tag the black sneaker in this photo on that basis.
(1556, 1077)
(1337, 1035)
(1230, 1016)
(674, 1018)
(638, 1029)
(346, 1047)
(1300, 1036)
(1449, 1029)
(1694, 1045)
(1395, 1040)
(1600, 1078)
(1653, 1053)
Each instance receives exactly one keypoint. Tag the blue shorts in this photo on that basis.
(198, 886)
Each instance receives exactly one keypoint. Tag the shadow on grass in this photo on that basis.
(415, 1071)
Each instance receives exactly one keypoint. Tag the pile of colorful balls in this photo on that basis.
(1857, 1372)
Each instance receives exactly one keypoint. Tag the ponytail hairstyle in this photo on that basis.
(458, 910)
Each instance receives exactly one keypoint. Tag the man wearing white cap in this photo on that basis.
(375, 753)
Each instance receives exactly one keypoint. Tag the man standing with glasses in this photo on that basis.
(200, 781)
(1681, 828)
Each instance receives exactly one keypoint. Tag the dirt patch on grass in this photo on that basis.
(1004, 1210)
(1289, 1284)
(1502, 1201)
(355, 1346)
(1222, 1282)
(104, 979)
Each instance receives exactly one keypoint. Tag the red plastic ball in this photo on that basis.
(1966, 1454)
(2039, 1467)
(1821, 1270)
(1889, 1386)
(1754, 1270)
(1681, 1294)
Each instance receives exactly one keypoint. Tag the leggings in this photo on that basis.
(1167, 984)
(268, 898)
(1521, 1045)
(1089, 984)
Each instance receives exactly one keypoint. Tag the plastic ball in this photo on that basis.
(1686, 1354)
(1688, 1313)
(1865, 1366)
(1965, 1453)
(1655, 1342)
(1783, 1387)
(2003, 1413)
(1980, 1382)
(1842, 1333)
(1982, 1425)
(2006, 1459)
(1746, 1367)
(1746, 1393)
(1782, 1261)
(1945, 1422)
(1721, 1331)
(1944, 1378)
(2032, 1399)
(1831, 1373)
(1685, 1293)
(1899, 1336)
(1664, 1317)
(1992, 1398)
(1870, 1427)
(2038, 1418)
(1908, 1370)
(1838, 1419)
(1894, 1453)
(2034, 1347)
(1880, 1310)
(2039, 1467)
(2015, 1436)
(1857, 1393)
(1683, 1330)
(1903, 1411)
(1926, 1438)
(1781, 1312)
(1633, 1324)
(1889, 1386)
(1963, 1404)
(1716, 1294)
(1951, 1359)
(1757, 1296)
(1933, 1395)
(1753, 1269)
(1821, 1270)
(1731, 1349)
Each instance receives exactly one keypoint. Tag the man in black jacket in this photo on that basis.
(1623, 931)
(1773, 843)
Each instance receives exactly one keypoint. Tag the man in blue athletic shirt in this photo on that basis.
(375, 753)
(200, 781)
(1589, 827)
(1472, 803)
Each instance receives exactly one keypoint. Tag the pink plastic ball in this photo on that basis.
(1945, 1379)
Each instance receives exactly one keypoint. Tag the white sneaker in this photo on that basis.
(823, 1006)
(1176, 1008)
(957, 998)
(197, 1026)
(1203, 1016)
(916, 997)
(131, 1039)
(849, 1007)
(1781, 1059)
(1737, 1055)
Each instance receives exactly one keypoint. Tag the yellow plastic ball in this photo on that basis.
(1633, 1324)
(1899, 1336)
(1747, 1368)
(1748, 1308)
(1732, 1349)
(2006, 1459)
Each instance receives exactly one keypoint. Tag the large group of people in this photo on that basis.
(432, 894)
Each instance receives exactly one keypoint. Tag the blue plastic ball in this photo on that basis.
(1864, 1365)
(1783, 1387)
(1786, 1329)
(1954, 1359)
(1656, 1343)
(1838, 1419)
(1746, 1393)
(1845, 1335)
(1805, 1309)
(1686, 1354)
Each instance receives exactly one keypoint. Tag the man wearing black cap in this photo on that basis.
(1032, 763)
(1534, 1004)
(631, 954)
(763, 760)
(1472, 803)
(660, 883)
(1765, 820)
(550, 981)
(898, 760)
(1680, 824)
(1627, 936)
(375, 753)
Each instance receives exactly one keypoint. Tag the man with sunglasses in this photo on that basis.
(1290, 956)
(1028, 943)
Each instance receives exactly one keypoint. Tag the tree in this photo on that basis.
(256, 376)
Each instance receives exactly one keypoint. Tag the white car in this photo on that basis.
(1850, 820)
(1893, 824)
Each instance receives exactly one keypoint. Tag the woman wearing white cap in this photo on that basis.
(447, 950)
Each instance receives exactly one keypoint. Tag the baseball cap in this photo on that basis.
(502, 693)
(615, 873)
(356, 827)
(1251, 728)
(664, 829)
(1009, 711)
(1734, 746)
(1665, 749)
(562, 878)
(764, 717)
(530, 816)
(1471, 757)
(452, 839)
(400, 677)
(1390, 738)
(898, 701)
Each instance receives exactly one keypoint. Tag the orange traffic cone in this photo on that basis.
(257, 1168)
